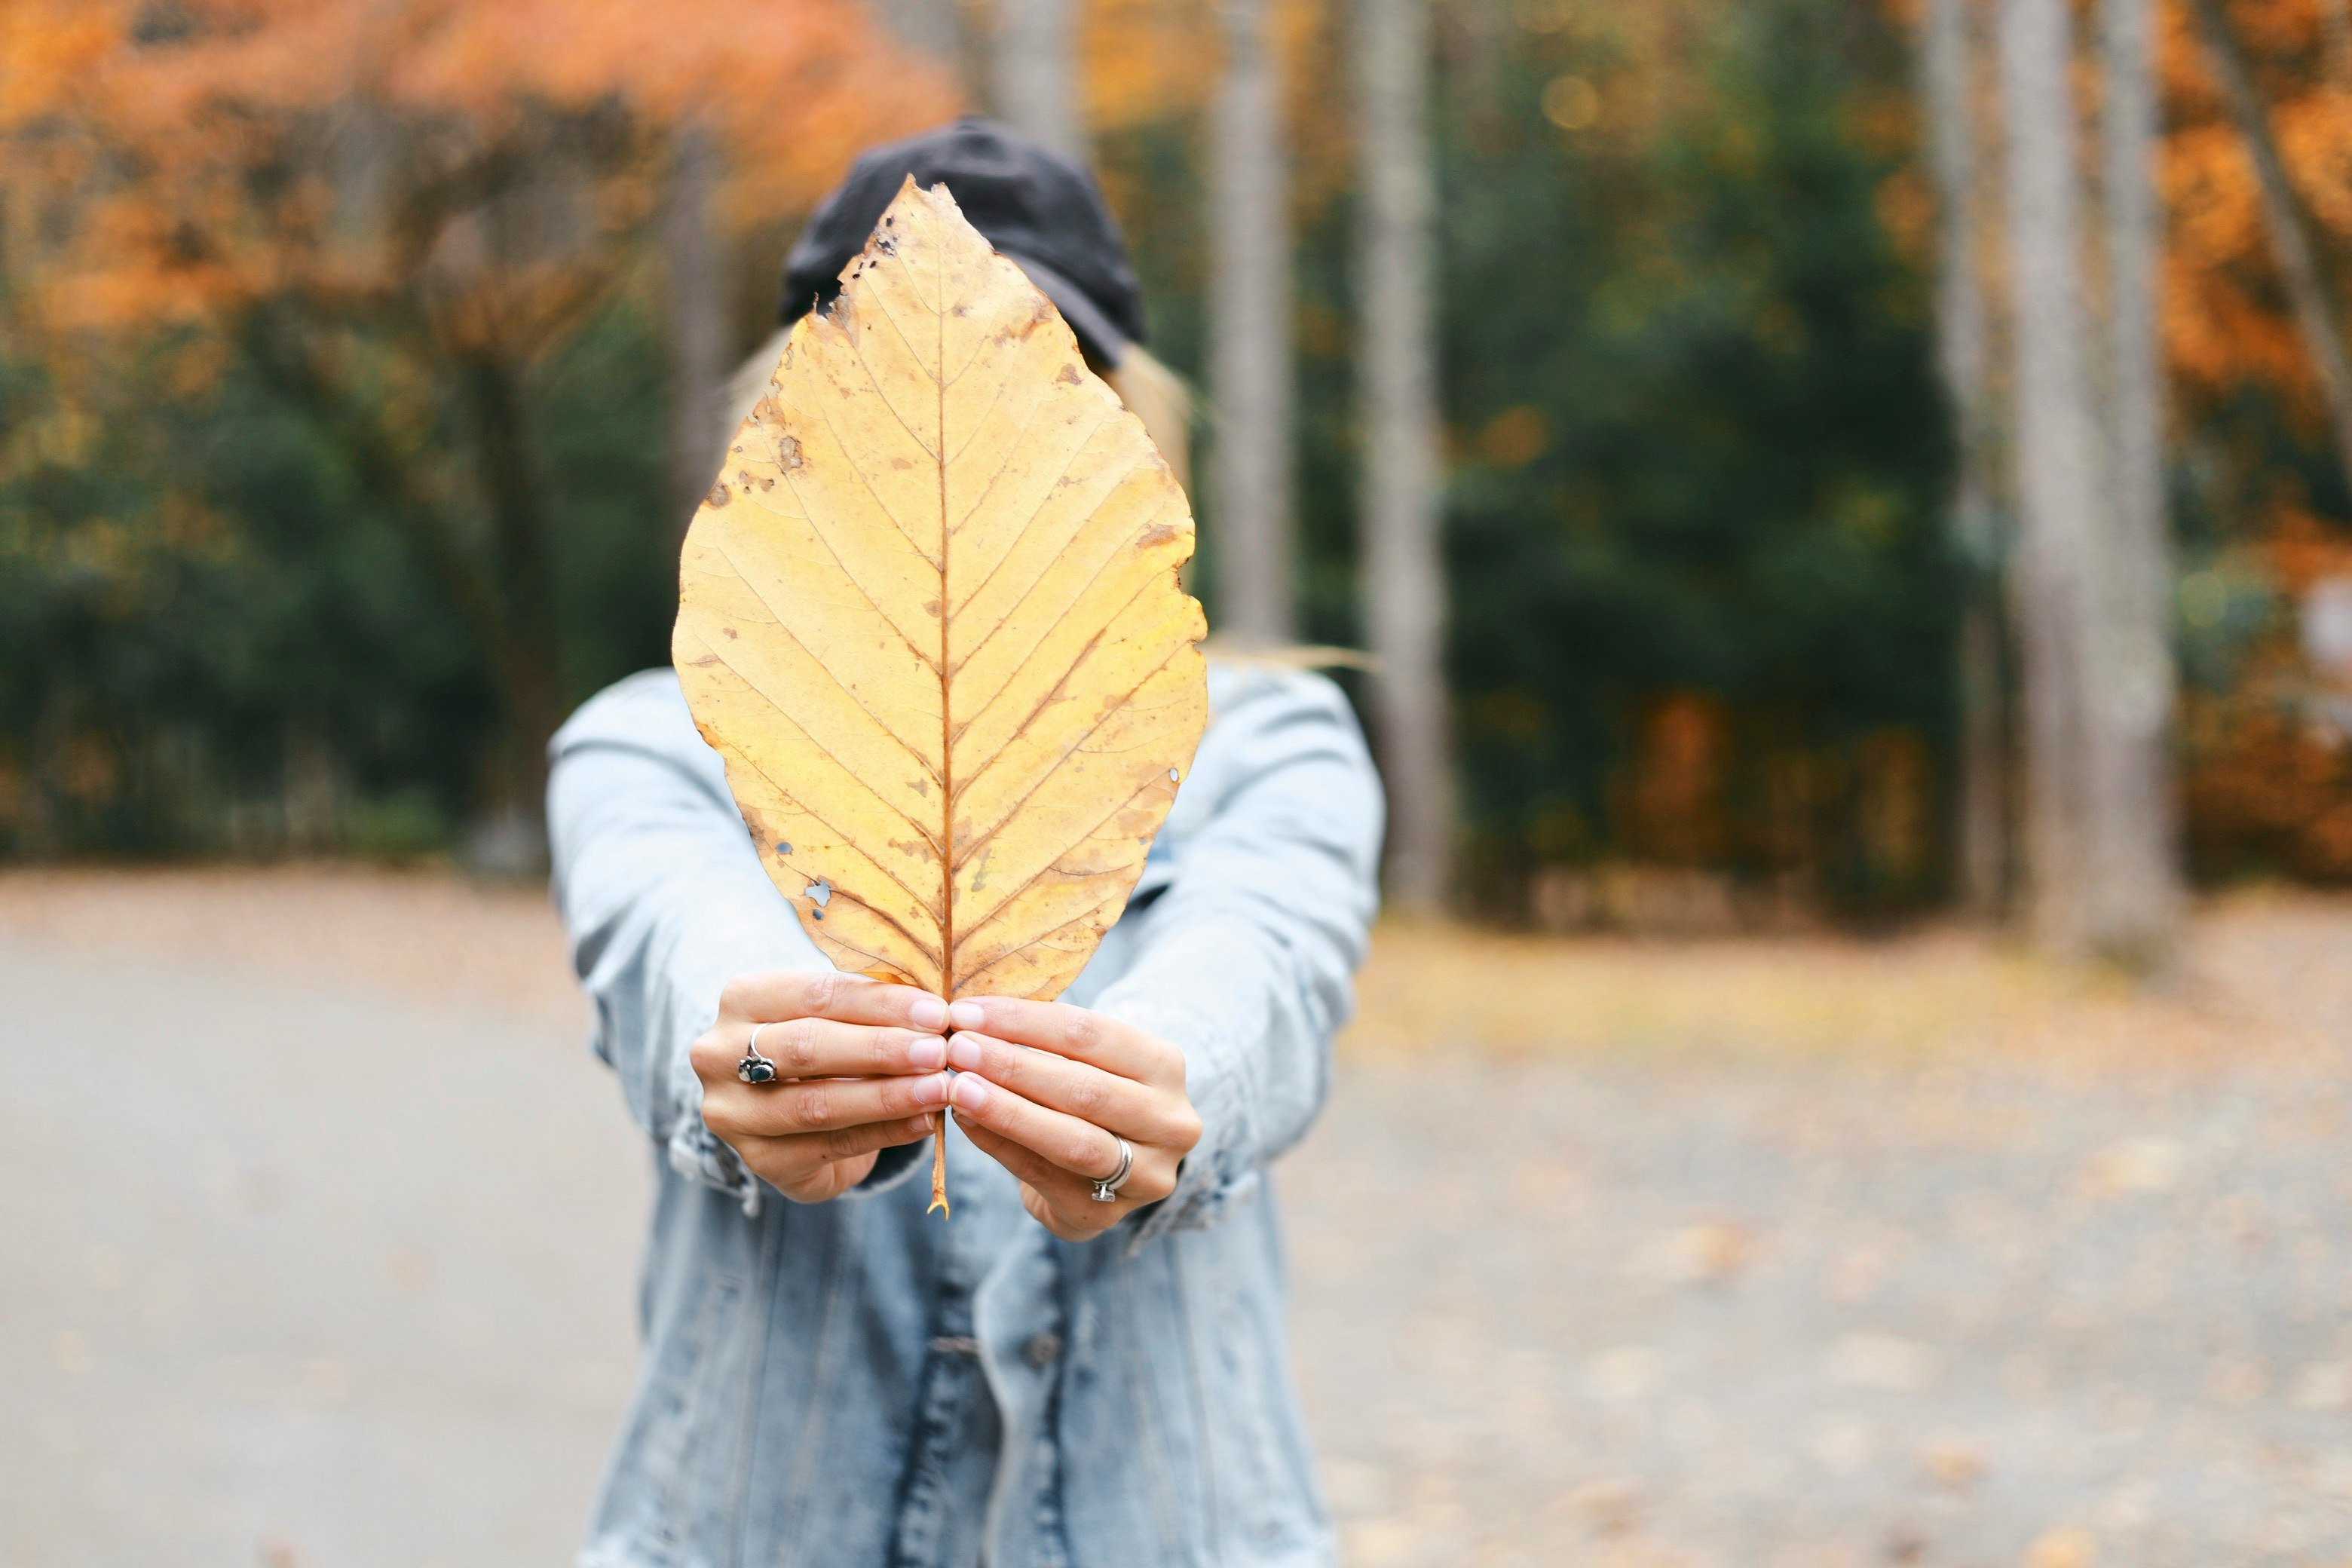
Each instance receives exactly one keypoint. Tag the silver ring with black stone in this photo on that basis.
(755, 1068)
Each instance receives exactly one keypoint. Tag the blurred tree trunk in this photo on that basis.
(2055, 442)
(525, 652)
(1033, 78)
(2132, 695)
(2291, 232)
(1949, 77)
(695, 308)
(2336, 19)
(505, 595)
(1403, 563)
(934, 27)
(1249, 358)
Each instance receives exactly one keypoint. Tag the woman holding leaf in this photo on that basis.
(933, 651)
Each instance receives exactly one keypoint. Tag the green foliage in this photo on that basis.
(202, 590)
(1699, 445)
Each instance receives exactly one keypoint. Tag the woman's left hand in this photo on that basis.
(1048, 1089)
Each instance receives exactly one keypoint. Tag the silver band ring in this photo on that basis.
(755, 1068)
(1106, 1189)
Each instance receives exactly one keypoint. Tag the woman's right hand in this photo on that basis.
(858, 1070)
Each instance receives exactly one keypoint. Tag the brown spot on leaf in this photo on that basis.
(788, 451)
(1159, 533)
(1068, 376)
(717, 496)
(728, 632)
(931, 607)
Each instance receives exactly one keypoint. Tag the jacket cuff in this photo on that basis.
(1221, 1170)
(696, 1153)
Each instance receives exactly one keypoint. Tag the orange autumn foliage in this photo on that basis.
(169, 162)
(2226, 325)
(388, 213)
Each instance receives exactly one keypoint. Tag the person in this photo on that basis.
(830, 1377)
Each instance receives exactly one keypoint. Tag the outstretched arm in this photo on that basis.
(678, 936)
(1244, 969)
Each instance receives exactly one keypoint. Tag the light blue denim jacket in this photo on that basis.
(851, 1384)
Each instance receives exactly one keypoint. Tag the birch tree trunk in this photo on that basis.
(1034, 72)
(2291, 234)
(1404, 567)
(2131, 695)
(695, 313)
(1949, 78)
(1250, 368)
(2055, 447)
(933, 27)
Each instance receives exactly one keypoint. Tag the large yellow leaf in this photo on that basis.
(930, 617)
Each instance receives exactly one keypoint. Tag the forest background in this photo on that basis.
(351, 358)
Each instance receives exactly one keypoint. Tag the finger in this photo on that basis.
(818, 1105)
(1061, 1221)
(829, 994)
(826, 1182)
(1055, 1198)
(1029, 1166)
(1143, 1113)
(786, 1162)
(1079, 1033)
(818, 1048)
(1079, 1148)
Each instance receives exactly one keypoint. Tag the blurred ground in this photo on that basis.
(320, 1230)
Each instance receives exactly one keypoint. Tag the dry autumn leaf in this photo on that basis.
(930, 617)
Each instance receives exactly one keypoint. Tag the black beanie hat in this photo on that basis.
(1042, 210)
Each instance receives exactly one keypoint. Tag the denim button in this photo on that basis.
(1043, 1350)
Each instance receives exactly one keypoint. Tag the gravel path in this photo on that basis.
(1797, 1252)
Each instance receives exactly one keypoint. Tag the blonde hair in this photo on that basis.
(1157, 396)
(1153, 392)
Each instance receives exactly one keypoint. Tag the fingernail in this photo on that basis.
(926, 1012)
(971, 1094)
(963, 1053)
(967, 1016)
(918, 1125)
(927, 1054)
(931, 1090)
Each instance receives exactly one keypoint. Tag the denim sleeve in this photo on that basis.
(1248, 959)
(665, 900)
